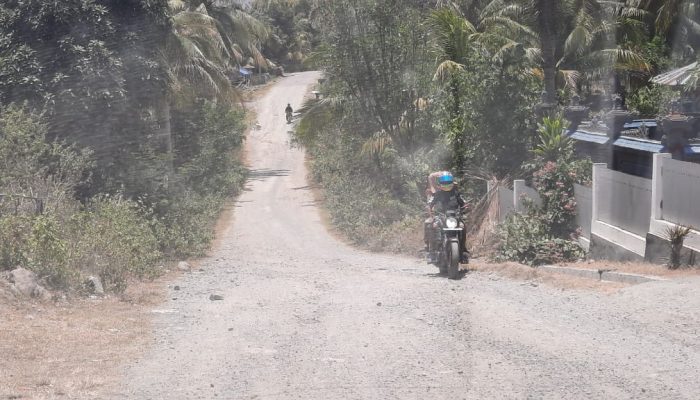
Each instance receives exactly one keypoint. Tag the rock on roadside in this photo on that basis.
(94, 285)
(25, 283)
(184, 266)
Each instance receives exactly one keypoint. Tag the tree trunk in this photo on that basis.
(546, 21)
(457, 127)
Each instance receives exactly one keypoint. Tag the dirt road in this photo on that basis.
(306, 317)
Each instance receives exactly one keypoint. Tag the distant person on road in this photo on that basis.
(443, 194)
(288, 112)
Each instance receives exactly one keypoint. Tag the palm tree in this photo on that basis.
(452, 34)
(676, 20)
(242, 33)
(565, 37)
(198, 63)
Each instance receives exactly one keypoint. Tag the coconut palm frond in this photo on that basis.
(198, 58)
(447, 69)
(451, 33)
(533, 54)
(513, 27)
(578, 41)
(569, 77)
(377, 144)
(625, 59)
(492, 8)
(316, 115)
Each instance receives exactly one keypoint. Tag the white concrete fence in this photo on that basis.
(675, 198)
(622, 213)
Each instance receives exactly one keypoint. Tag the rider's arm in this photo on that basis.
(431, 204)
(460, 199)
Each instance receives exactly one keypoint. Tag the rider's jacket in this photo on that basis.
(443, 200)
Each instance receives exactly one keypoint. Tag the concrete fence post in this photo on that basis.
(518, 190)
(595, 198)
(657, 186)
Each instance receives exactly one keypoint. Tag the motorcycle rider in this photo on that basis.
(443, 194)
(288, 111)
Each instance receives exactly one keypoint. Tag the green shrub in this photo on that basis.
(525, 238)
(187, 228)
(37, 243)
(651, 101)
(48, 255)
(547, 233)
(371, 200)
(116, 239)
(14, 234)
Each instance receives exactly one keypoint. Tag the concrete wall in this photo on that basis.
(626, 217)
(621, 212)
(667, 210)
(522, 194)
(505, 203)
(624, 200)
(681, 192)
(584, 213)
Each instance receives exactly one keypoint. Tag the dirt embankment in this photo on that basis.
(72, 348)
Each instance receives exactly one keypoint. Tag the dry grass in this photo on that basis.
(525, 273)
(641, 268)
(72, 349)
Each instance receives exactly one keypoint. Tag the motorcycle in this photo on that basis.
(289, 117)
(448, 227)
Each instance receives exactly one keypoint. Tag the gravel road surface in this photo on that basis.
(304, 316)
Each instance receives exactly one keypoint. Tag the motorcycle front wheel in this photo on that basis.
(453, 260)
(442, 263)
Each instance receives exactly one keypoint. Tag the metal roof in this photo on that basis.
(637, 123)
(692, 149)
(676, 77)
(590, 137)
(639, 144)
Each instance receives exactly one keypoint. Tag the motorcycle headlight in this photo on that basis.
(451, 222)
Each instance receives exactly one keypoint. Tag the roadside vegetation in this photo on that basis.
(414, 86)
(120, 128)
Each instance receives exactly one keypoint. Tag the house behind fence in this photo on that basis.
(626, 217)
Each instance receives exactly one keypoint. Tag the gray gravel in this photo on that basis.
(303, 316)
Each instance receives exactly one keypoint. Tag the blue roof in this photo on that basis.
(650, 123)
(589, 137)
(244, 71)
(639, 144)
(692, 149)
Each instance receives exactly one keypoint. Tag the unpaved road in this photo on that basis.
(306, 317)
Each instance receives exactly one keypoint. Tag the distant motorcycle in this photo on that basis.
(445, 247)
(289, 117)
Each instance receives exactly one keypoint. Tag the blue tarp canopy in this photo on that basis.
(245, 72)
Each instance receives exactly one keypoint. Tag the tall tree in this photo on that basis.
(452, 35)
(564, 38)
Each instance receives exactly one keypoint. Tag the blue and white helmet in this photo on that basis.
(446, 181)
